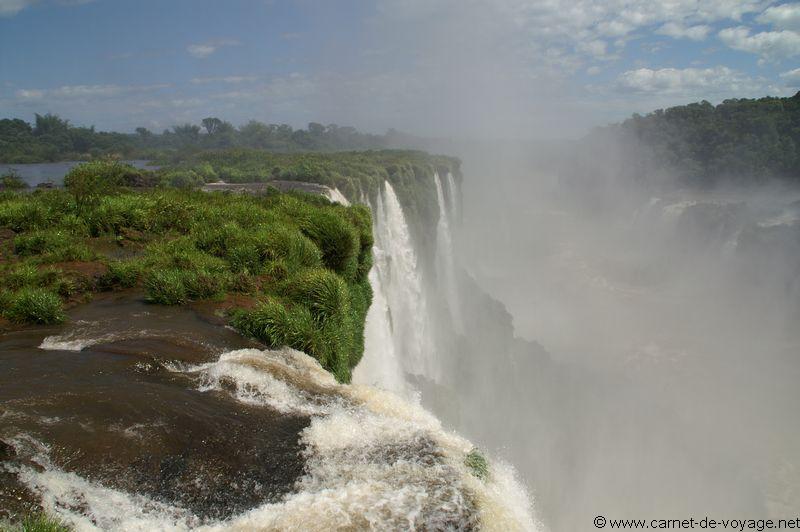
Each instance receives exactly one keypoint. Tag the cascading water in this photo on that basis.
(372, 462)
(380, 365)
(396, 281)
(445, 264)
(453, 191)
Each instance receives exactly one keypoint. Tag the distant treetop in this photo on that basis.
(702, 144)
(52, 138)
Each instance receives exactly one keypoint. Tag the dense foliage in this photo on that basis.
(293, 267)
(703, 144)
(51, 138)
(35, 523)
(353, 173)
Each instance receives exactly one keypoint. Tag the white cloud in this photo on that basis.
(224, 79)
(83, 91)
(203, 50)
(770, 45)
(786, 16)
(792, 77)
(691, 82)
(595, 48)
(9, 8)
(677, 31)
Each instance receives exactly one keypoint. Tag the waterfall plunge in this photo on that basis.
(445, 263)
(396, 339)
(397, 335)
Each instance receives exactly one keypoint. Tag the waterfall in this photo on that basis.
(336, 196)
(379, 365)
(396, 339)
(453, 191)
(445, 264)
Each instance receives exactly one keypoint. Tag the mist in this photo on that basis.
(653, 368)
(652, 365)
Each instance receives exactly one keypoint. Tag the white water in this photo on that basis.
(445, 264)
(85, 334)
(398, 282)
(380, 366)
(337, 197)
(355, 479)
(453, 190)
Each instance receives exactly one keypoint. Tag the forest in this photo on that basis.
(702, 144)
(51, 138)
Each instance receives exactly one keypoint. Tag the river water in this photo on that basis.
(140, 417)
(36, 173)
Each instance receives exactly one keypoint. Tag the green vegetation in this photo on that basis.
(297, 262)
(477, 464)
(355, 174)
(290, 268)
(703, 144)
(36, 523)
(12, 181)
(33, 305)
(52, 138)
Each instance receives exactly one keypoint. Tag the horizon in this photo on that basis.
(510, 69)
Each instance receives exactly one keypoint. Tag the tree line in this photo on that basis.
(51, 138)
(739, 140)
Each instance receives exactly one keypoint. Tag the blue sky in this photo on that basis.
(520, 68)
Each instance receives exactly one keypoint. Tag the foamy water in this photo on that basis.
(335, 195)
(373, 462)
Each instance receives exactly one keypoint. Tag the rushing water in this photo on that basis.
(445, 264)
(398, 282)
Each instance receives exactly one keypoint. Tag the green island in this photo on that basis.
(287, 268)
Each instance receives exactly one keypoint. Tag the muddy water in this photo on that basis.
(106, 401)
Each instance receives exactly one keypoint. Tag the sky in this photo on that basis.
(457, 68)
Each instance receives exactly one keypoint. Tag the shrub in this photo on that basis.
(336, 238)
(35, 305)
(245, 258)
(172, 212)
(288, 243)
(12, 181)
(88, 182)
(278, 326)
(40, 242)
(73, 252)
(322, 291)
(215, 239)
(181, 254)
(477, 464)
(166, 287)
(360, 301)
(113, 213)
(182, 179)
(203, 284)
(122, 274)
(42, 523)
(24, 215)
(22, 276)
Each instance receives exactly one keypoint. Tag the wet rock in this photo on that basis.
(7, 451)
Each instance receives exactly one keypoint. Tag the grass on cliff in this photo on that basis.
(36, 523)
(300, 261)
